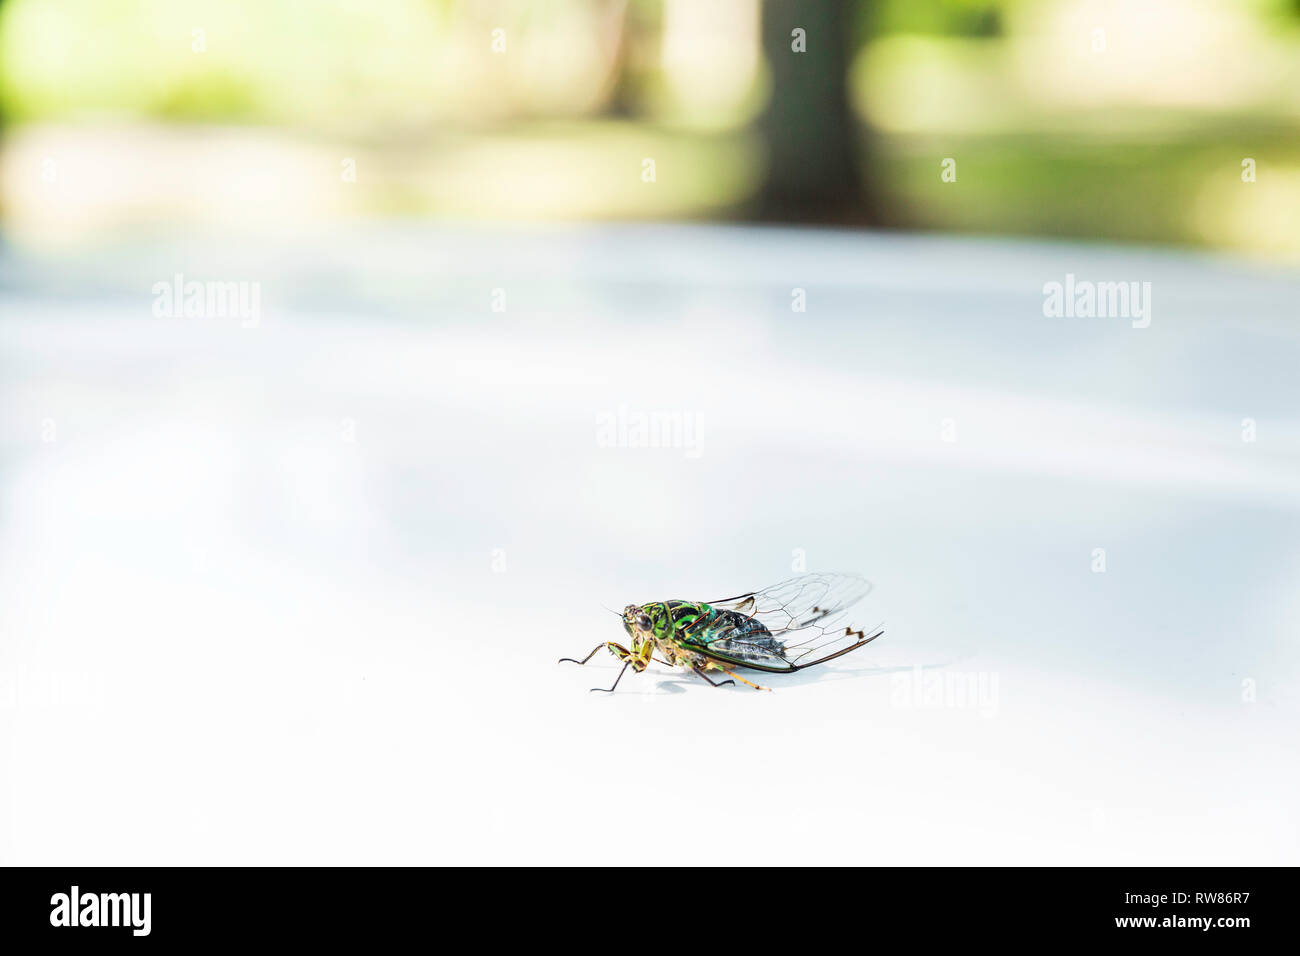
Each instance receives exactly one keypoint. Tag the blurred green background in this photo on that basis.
(1108, 119)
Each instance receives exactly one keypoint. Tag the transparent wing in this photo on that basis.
(801, 601)
(803, 623)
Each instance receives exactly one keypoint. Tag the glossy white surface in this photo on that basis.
(232, 635)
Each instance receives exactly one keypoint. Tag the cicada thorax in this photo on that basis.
(674, 621)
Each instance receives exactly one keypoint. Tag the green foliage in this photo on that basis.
(974, 18)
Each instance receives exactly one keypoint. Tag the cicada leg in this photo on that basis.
(716, 683)
(618, 650)
(610, 689)
(732, 673)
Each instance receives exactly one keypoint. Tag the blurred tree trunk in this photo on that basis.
(809, 132)
(621, 29)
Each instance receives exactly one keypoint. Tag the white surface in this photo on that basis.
(231, 636)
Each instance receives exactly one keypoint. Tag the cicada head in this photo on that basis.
(638, 625)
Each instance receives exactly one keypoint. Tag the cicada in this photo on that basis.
(781, 629)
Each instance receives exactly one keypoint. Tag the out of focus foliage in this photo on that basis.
(1116, 119)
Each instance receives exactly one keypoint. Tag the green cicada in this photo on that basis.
(781, 629)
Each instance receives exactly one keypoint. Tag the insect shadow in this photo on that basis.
(664, 680)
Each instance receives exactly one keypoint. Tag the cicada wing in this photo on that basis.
(801, 601)
(818, 645)
(737, 648)
(802, 622)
